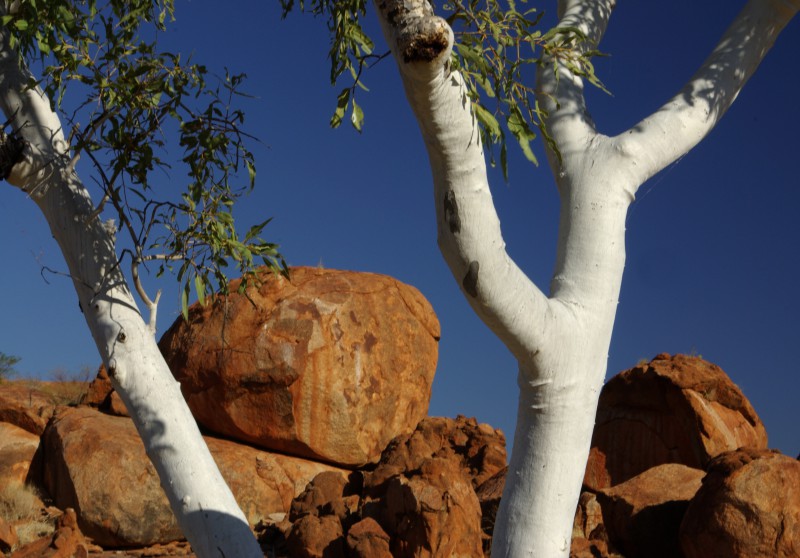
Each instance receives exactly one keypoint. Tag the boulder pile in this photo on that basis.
(313, 394)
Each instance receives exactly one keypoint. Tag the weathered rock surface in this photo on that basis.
(263, 483)
(95, 460)
(478, 448)
(316, 536)
(489, 493)
(367, 539)
(8, 536)
(330, 366)
(642, 516)
(675, 409)
(66, 542)
(101, 395)
(588, 523)
(18, 449)
(25, 405)
(748, 506)
(419, 501)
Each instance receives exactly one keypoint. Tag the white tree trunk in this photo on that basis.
(202, 502)
(561, 342)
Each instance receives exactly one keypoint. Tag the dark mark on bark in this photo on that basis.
(11, 148)
(470, 282)
(451, 212)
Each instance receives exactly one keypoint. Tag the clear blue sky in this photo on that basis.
(713, 260)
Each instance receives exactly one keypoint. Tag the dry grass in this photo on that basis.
(20, 503)
(69, 388)
(32, 530)
(65, 393)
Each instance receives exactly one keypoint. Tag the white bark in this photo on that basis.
(560, 341)
(204, 506)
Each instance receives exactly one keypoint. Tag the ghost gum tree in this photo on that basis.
(561, 339)
(130, 103)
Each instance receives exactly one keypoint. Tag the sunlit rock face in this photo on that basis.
(673, 409)
(328, 365)
(748, 505)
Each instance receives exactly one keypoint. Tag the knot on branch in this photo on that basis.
(425, 42)
(421, 36)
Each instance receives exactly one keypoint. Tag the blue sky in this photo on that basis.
(713, 260)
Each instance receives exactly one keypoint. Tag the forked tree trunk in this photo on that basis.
(202, 502)
(561, 341)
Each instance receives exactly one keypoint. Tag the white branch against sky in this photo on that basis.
(561, 342)
(201, 501)
(469, 232)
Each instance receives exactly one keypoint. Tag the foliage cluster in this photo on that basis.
(7, 363)
(497, 51)
(129, 101)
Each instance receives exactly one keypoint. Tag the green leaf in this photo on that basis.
(520, 130)
(342, 101)
(357, 117)
(185, 301)
(488, 120)
(200, 289)
(251, 172)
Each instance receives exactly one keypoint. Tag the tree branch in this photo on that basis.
(152, 305)
(675, 128)
(469, 232)
(560, 92)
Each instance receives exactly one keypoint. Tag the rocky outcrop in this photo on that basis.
(419, 501)
(94, 461)
(642, 516)
(674, 409)
(331, 365)
(18, 450)
(101, 395)
(66, 542)
(489, 494)
(748, 505)
(25, 405)
(588, 523)
(367, 539)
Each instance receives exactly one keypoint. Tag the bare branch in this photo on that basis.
(560, 92)
(152, 305)
(670, 132)
(469, 232)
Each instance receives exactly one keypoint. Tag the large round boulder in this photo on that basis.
(747, 506)
(328, 365)
(96, 464)
(673, 409)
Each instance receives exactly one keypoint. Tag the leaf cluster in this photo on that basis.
(498, 48)
(496, 53)
(136, 105)
(351, 51)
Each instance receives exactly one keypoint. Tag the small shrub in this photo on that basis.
(7, 363)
